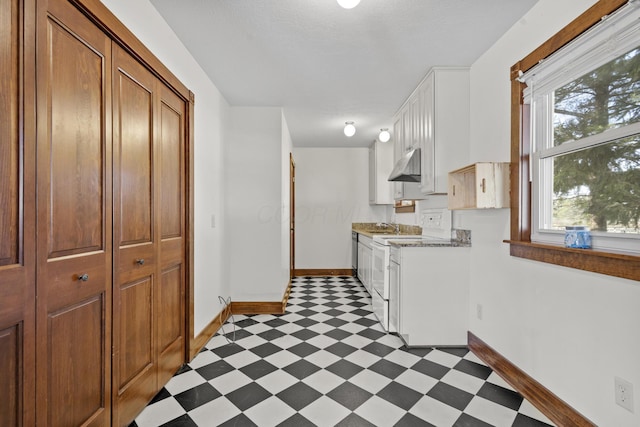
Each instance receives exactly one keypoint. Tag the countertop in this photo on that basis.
(370, 229)
(429, 243)
(461, 239)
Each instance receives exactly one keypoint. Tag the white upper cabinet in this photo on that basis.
(380, 166)
(435, 118)
(398, 137)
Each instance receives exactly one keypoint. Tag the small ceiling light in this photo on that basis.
(348, 4)
(349, 129)
(384, 135)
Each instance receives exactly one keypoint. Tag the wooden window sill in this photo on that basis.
(609, 263)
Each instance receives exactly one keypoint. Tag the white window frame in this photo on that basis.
(615, 35)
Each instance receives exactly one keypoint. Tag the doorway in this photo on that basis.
(292, 215)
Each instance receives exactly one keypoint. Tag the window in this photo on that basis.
(576, 142)
(405, 206)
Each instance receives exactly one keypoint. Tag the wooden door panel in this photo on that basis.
(135, 237)
(171, 163)
(171, 342)
(169, 323)
(74, 219)
(135, 262)
(10, 372)
(136, 330)
(135, 369)
(135, 108)
(76, 392)
(9, 137)
(65, 284)
(17, 213)
(76, 151)
(170, 305)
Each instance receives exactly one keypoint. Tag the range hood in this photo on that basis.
(407, 168)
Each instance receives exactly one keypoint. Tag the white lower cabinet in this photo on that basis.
(429, 295)
(365, 256)
(394, 290)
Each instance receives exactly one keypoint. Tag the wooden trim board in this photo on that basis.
(198, 342)
(285, 298)
(262, 307)
(556, 409)
(323, 272)
(249, 307)
(256, 307)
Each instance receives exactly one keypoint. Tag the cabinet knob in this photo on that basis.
(83, 277)
(140, 261)
(484, 185)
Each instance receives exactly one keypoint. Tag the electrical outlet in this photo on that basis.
(479, 311)
(624, 393)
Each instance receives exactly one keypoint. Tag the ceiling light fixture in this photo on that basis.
(349, 129)
(384, 135)
(348, 4)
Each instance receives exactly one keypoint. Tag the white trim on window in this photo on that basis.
(616, 35)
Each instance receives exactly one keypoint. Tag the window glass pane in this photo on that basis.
(608, 97)
(598, 187)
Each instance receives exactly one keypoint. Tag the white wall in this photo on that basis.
(332, 191)
(211, 110)
(254, 204)
(573, 331)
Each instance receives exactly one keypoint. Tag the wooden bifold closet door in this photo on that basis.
(149, 229)
(74, 249)
(111, 228)
(17, 213)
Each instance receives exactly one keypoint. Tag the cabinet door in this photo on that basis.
(398, 138)
(372, 175)
(135, 237)
(407, 125)
(17, 215)
(394, 298)
(74, 219)
(171, 191)
(368, 259)
(361, 262)
(428, 167)
(416, 120)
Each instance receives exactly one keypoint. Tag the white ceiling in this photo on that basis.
(326, 65)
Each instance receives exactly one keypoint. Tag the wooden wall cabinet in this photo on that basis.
(479, 186)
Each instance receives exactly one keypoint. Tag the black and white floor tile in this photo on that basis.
(328, 362)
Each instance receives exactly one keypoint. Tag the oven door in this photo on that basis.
(380, 269)
(380, 309)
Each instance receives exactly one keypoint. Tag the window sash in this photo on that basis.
(616, 35)
(599, 45)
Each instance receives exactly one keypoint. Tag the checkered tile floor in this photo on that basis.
(327, 362)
